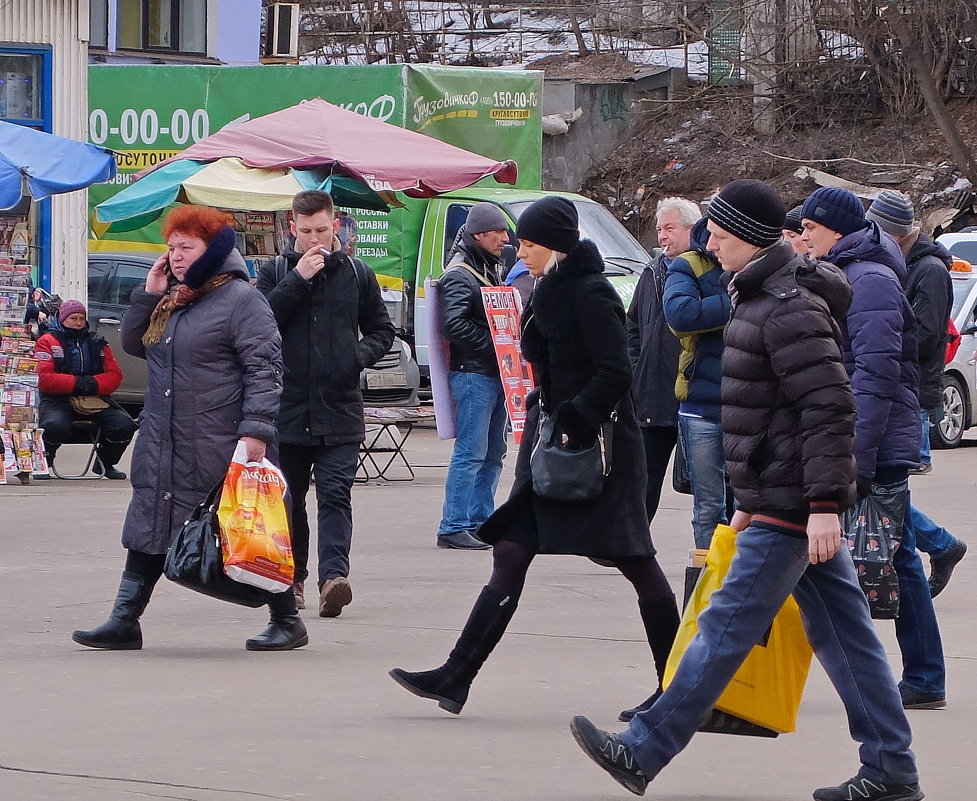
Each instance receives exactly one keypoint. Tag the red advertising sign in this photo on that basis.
(503, 308)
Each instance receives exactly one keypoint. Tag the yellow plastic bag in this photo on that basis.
(767, 688)
(255, 540)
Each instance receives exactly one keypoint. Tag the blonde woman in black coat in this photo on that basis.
(575, 335)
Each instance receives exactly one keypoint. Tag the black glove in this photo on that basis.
(85, 385)
(532, 399)
(863, 486)
(568, 421)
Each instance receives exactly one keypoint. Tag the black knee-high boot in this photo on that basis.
(661, 620)
(285, 630)
(449, 684)
(121, 632)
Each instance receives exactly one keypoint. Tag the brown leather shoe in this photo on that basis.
(299, 588)
(334, 594)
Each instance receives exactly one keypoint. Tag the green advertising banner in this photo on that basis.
(146, 113)
(492, 113)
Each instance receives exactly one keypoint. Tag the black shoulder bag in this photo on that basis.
(573, 476)
(194, 559)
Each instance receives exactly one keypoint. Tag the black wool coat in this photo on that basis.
(788, 408)
(575, 336)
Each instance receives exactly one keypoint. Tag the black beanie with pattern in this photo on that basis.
(750, 210)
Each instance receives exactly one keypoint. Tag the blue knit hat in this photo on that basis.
(893, 211)
(835, 208)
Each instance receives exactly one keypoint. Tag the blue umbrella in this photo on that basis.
(50, 164)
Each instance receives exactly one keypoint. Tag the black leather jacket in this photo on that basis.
(463, 318)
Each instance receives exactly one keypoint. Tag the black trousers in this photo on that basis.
(659, 443)
(115, 424)
(334, 468)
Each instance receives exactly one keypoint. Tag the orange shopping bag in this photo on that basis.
(255, 540)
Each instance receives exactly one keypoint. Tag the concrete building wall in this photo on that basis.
(609, 112)
(62, 24)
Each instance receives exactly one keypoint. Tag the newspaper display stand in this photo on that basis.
(23, 447)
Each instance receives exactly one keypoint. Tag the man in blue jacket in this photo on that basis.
(880, 356)
(697, 308)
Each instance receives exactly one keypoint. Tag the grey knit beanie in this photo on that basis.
(484, 217)
(893, 211)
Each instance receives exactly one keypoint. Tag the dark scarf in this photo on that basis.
(199, 279)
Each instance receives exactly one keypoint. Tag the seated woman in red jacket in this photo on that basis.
(72, 362)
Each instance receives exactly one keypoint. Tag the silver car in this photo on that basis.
(960, 375)
(393, 381)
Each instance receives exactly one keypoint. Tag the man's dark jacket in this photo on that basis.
(880, 351)
(332, 327)
(654, 350)
(930, 292)
(788, 408)
(463, 319)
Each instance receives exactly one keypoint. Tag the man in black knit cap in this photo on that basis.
(793, 231)
(788, 424)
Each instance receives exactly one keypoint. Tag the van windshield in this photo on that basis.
(620, 250)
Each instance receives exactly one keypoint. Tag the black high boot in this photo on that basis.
(449, 684)
(121, 631)
(285, 630)
(661, 620)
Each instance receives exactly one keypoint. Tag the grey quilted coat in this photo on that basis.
(215, 376)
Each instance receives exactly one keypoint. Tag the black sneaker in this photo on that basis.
(608, 751)
(941, 568)
(862, 789)
(913, 699)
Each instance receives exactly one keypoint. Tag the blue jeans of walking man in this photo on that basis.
(701, 441)
(917, 629)
(768, 567)
(476, 461)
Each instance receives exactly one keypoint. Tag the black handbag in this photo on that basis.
(680, 473)
(873, 529)
(574, 476)
(194, 559)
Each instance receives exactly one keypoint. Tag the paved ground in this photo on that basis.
(194, 716)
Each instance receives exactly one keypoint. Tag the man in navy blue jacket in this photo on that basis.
(881, 359)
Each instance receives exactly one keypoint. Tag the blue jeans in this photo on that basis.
(701, 441)
(931, 538)
(924, 444)
(917, 629)
(767, 568)
(476, 461)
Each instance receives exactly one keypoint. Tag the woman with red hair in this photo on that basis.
(214, 379)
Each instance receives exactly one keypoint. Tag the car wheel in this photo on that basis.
(949, 431)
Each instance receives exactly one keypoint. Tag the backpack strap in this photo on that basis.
(478, 276)
(281, 267)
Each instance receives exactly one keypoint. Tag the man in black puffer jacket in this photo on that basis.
(788, 423)
(333, 324)
(476, 388)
